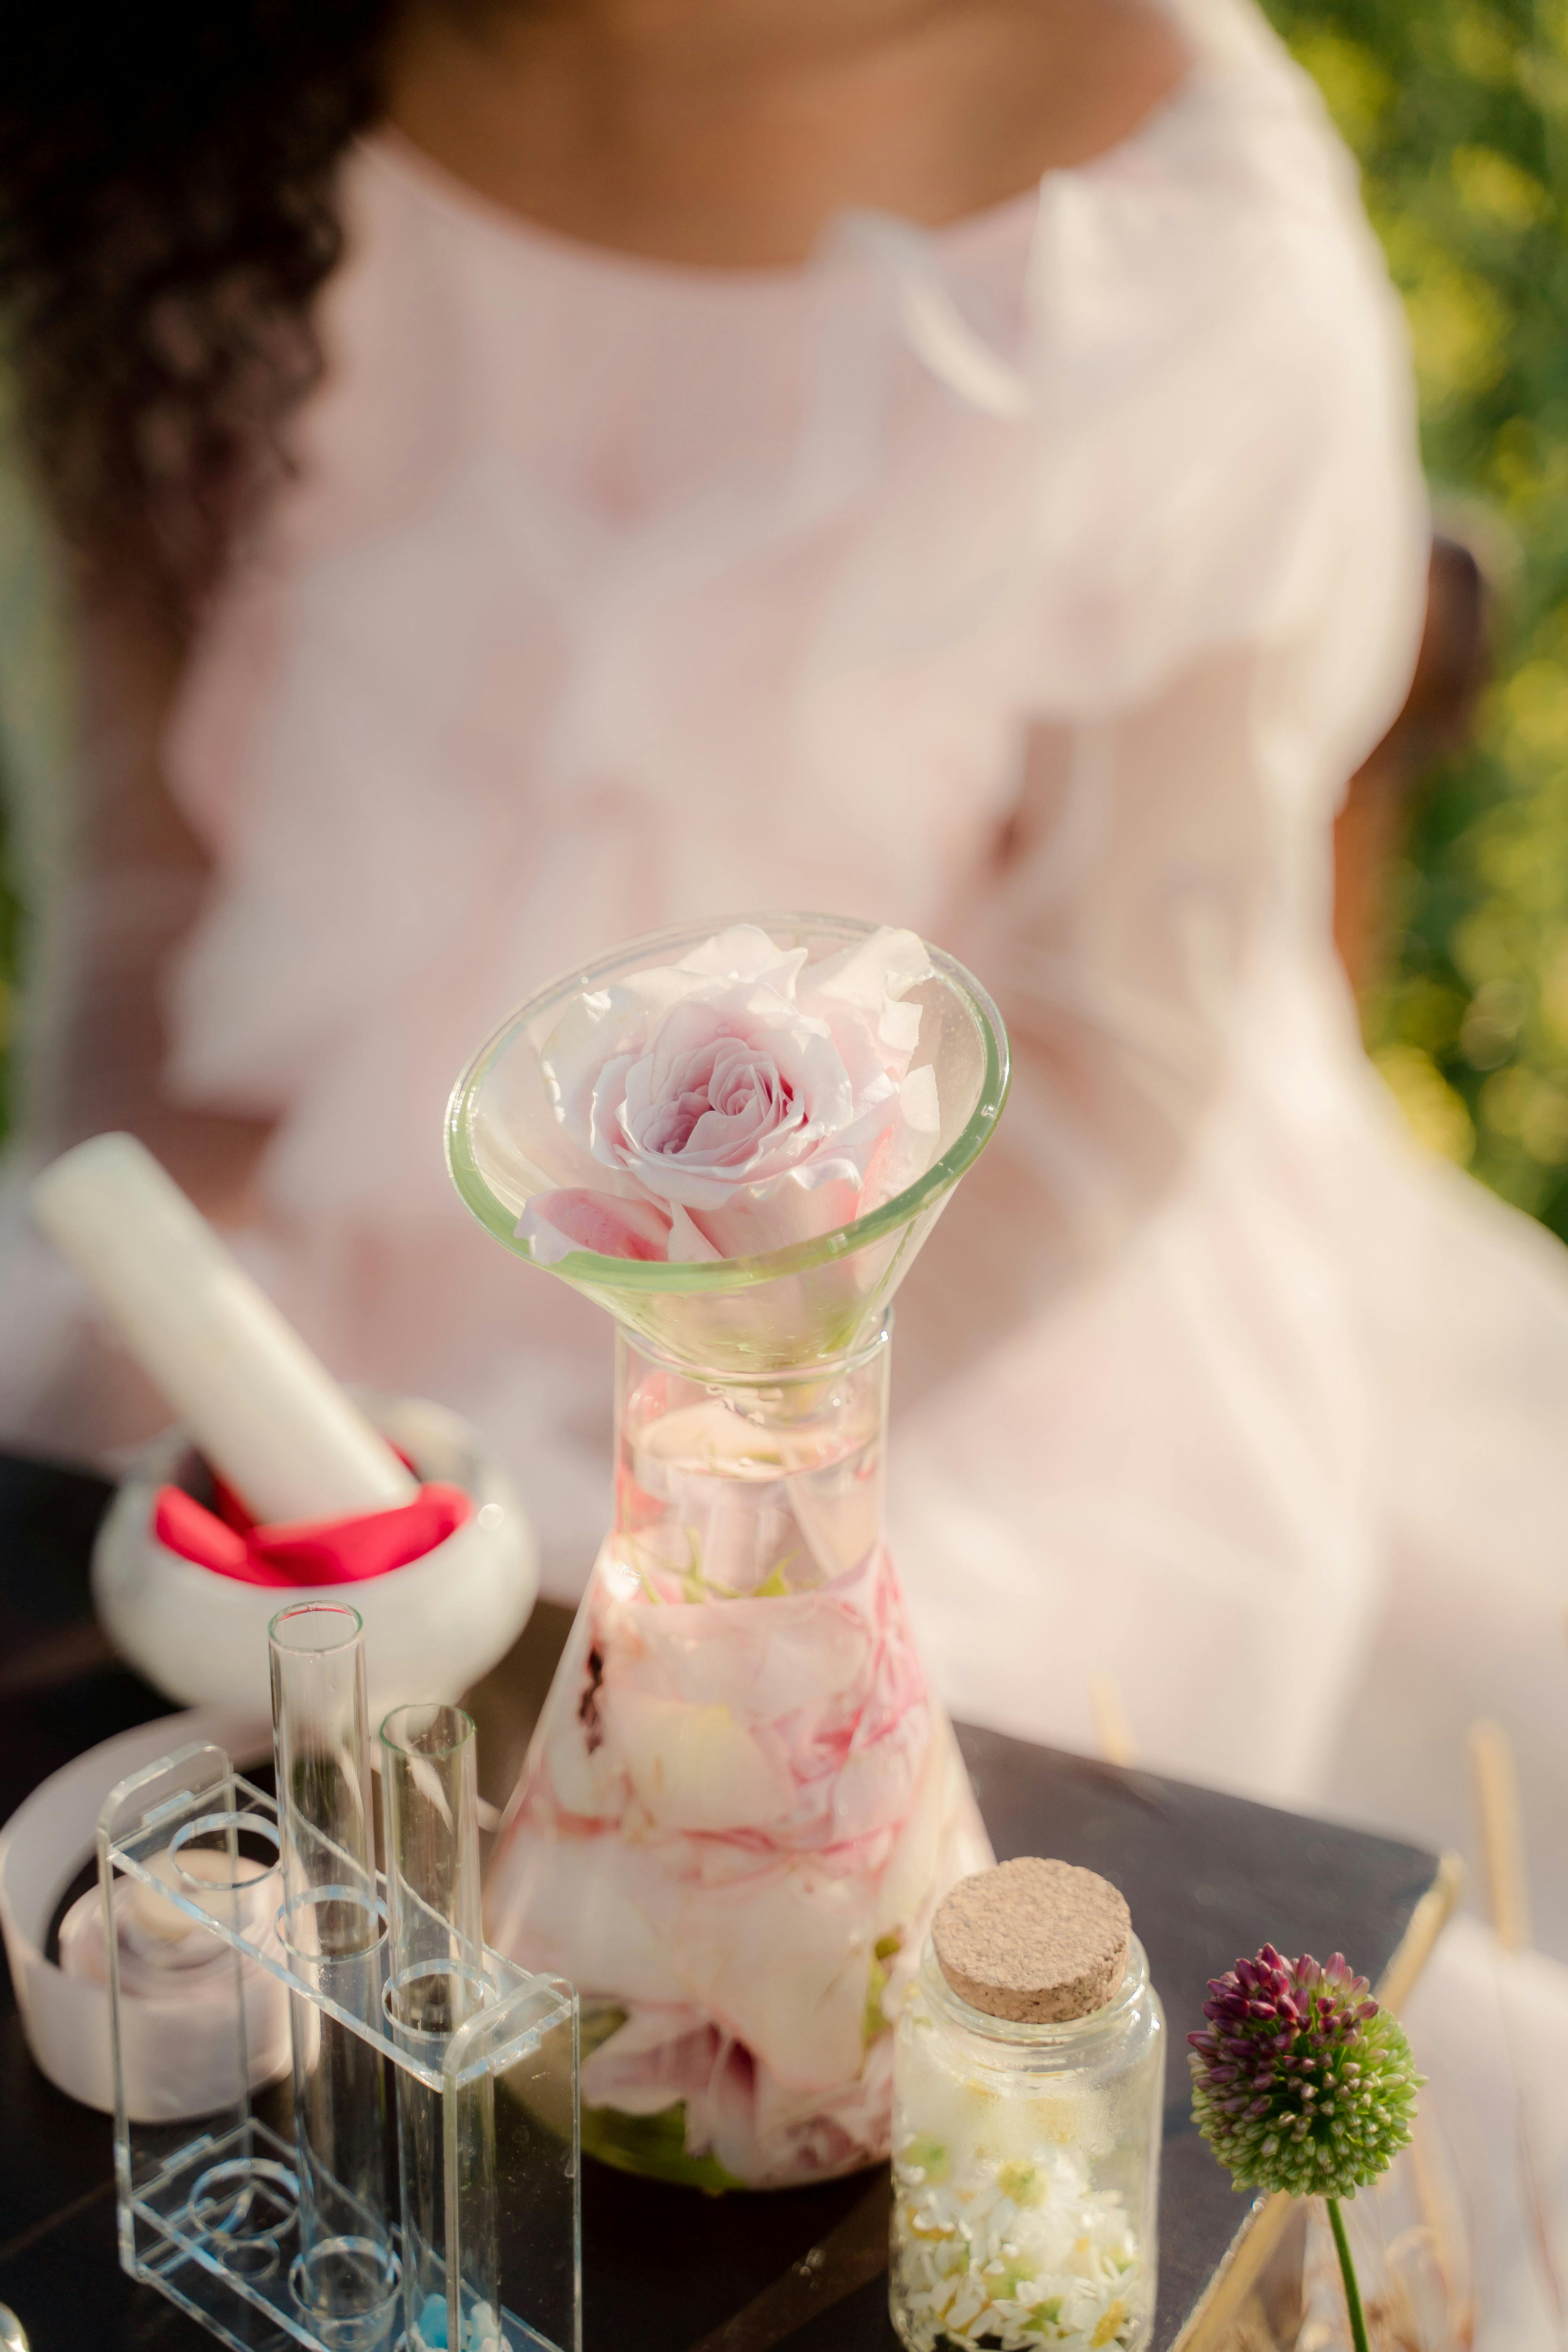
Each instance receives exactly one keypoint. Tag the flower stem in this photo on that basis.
(1347, 2272)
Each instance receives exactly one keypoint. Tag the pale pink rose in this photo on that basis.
(741, 1100)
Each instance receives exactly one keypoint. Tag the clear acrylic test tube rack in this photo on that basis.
(209, 2209)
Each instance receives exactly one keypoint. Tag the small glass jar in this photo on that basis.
(1026, 2170)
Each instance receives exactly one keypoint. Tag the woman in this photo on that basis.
(679, 527)
(947, 462)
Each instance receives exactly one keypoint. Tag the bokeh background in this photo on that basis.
(1457, 112)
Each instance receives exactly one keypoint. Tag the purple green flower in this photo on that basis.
(1302, 2081)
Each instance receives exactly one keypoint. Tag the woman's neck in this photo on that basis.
(728, 132)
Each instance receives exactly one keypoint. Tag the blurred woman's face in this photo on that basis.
(729, 132)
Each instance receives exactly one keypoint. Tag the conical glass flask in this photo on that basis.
(742, 1801)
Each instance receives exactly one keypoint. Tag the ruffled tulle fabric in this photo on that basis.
(1034, 584)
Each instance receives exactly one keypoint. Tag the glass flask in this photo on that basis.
(1026, 2170)
(743, 1801)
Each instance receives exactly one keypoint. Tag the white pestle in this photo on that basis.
(261, 1408)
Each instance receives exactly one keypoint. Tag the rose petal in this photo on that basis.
(908, 1146)
(687, 1244)
(873, 975)
(555, 1224)
(749, 1092)
(756, 1219)
(744, 951)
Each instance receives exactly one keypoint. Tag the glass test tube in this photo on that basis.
(344, 2277)
(436, 1983)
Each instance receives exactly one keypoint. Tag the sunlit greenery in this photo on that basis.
(1459, 116)
(10, 930)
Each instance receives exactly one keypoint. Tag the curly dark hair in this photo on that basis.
(167, 218)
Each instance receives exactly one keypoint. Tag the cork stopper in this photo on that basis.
(1035, 1942)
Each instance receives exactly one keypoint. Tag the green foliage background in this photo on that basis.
(1457, 110)
(10, 947)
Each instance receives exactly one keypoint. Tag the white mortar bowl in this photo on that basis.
(431, 1629)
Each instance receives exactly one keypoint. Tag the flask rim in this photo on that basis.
(819, 1372)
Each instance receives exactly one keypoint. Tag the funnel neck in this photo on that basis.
(750, 1487)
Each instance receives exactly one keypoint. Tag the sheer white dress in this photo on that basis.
(1036, 582)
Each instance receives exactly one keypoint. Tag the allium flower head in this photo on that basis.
(1302, 2081)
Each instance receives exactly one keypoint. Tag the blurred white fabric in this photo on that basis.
(1489, 2030)
(1036, 582)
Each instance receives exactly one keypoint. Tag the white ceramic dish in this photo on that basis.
(431, 1629)
(169, 2068)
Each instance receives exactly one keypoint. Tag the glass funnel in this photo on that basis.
(743, 1801)
(811, 1301)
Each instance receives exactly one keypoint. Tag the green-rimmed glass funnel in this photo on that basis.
(807, 1303)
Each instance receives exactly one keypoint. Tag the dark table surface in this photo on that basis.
(668, 2270)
